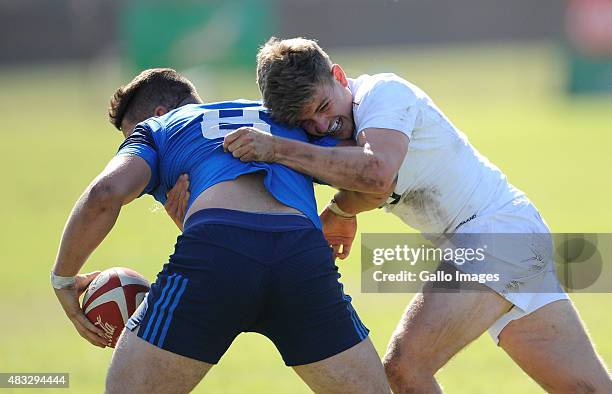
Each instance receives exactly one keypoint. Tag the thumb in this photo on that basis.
(346, 249)
(92, 275)
(82, 281)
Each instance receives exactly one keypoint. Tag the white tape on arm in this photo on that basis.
(333, 206)
(62, 282)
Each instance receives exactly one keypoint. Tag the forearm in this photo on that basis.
(351, 168)
(356, 202)
(90, 221)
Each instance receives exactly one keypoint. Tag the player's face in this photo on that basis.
(330, 112)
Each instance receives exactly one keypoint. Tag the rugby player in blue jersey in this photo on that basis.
(252, 256)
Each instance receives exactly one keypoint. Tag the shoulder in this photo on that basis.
(149, 132)
(151, 125)
(386, 87)
(385, 101)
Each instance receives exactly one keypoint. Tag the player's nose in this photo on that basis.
(321, 124)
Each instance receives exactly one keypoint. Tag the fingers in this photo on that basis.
(171, 205)
(89, 331)
(177, 200)
(183, 199)
(69, 300)
(183, 206)
(341, 247)
(346, 250)
(249, 144)
(232, 137)
(171, 201)
(341, 251)
(346, 247)
(335, 249)
(241, 142)
(242, 152)
(340, 244)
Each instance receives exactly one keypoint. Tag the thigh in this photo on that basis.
(139, 367)
(552, 346)
(203, 298)
(308, 316)
(436, 325)
(355, 370)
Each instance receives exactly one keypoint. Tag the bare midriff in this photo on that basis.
(246, 193)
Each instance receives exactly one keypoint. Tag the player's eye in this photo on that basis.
(323, 107)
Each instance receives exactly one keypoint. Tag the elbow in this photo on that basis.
(378, 177)
(385, 183)
(102, 196)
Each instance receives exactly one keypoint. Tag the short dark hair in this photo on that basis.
(288, 74)
(137, 100)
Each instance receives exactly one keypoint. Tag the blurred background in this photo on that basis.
(528, 82)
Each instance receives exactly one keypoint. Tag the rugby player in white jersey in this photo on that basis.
(440, 184)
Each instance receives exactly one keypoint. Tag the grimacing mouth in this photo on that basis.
(334, 127)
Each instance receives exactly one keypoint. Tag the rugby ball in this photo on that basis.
(112, 298)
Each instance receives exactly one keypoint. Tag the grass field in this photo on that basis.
(55, 138)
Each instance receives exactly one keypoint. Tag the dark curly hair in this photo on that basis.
(137, 100)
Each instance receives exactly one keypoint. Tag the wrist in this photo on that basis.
(333, 206)
(62, 282)
(276, 149)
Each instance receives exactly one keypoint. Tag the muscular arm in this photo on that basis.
(97, 209)
(90, 221)
(370, 167)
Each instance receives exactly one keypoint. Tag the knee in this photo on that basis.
(394, 371)
(407, 372)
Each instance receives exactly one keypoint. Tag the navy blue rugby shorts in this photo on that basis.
(235, 272)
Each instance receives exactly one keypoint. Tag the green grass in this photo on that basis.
(55, 139)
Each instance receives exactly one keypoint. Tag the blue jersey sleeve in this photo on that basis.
(141, 143)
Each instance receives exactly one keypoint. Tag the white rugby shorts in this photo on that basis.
(519, 249)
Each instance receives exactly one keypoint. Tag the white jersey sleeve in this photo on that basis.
(443, 181)
(385, 102)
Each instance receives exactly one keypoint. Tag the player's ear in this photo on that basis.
(339, 74)
(160, 110)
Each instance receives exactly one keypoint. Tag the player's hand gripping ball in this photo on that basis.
(112, 298)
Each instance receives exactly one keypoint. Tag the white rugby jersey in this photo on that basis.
(443, 181)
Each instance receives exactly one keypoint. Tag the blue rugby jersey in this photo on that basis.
(189, 140)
